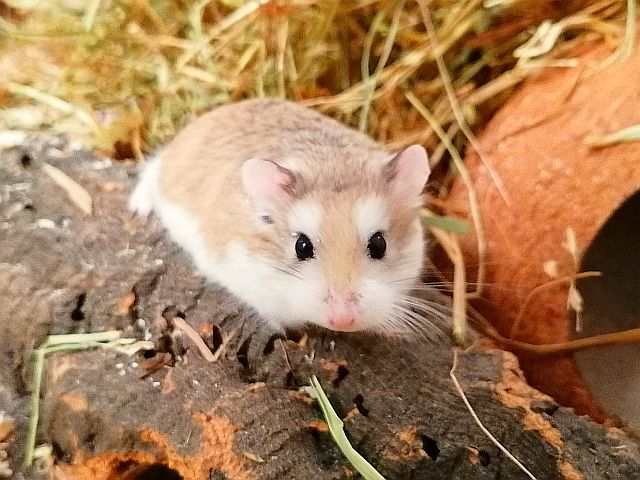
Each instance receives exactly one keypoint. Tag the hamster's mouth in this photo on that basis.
(343, 329)
(342, 326)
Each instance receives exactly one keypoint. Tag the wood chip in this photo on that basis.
(304, 340)
(256, 386)
(253, 457)
(7, 427)
(195, 338)
(124, 304)
(77, 194)
(300, 396)
(155, 363)
(332, 365)
(319, 426)
(354, 412)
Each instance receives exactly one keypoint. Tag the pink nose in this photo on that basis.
(343, 311)
(342, 323)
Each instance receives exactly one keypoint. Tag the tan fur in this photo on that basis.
(201, 170)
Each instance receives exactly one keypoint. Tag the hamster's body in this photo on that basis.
(286, 208)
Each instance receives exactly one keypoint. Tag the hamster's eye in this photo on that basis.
(304, 247)
(377, 246)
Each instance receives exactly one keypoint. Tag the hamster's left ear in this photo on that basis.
(408, 171)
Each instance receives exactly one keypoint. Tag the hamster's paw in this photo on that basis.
(142, 202)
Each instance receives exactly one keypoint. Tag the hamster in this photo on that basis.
(299, 216)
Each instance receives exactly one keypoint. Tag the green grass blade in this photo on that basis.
(75, 338)
(66, 343)
(449, 224)
(337, 432)
(35, 407)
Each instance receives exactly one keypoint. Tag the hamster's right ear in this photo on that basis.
(268, 185)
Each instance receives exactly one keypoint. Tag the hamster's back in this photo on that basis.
(273, 129)
(200, 168)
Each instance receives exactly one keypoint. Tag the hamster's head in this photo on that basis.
(345, 252)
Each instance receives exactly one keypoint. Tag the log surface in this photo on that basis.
(170, 414)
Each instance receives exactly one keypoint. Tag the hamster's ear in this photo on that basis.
(408, 171)
(268, 185)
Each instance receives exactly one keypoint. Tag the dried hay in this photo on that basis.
(123, 75)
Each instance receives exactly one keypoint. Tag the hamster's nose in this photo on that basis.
(343, 311)
(343, 323)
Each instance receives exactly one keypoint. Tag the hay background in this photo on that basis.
(122, 76)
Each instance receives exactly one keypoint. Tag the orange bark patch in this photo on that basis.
(319, 426)
(215, 453)
(332, 365)
(351, 414)
(124, 304)
(75, 401)
(408, 446)
(7, 427)
(300, 396)
(408, 435)
(569, 472)
(474, 457)
(206, 330)
(348, 472)
(514, 392)
(110, 466)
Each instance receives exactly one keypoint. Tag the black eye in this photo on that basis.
(377, 246)
(304, 247)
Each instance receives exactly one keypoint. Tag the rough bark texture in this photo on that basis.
(174, 415)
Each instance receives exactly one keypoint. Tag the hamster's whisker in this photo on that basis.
(427, 314)
(415, 319)
(288, 272)
(437, 328)
(417, 302)
(411, 282)
(439, 285)
(432, 288)
(424, 301)
(285, 268)
(416, 316)
(399, 325)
